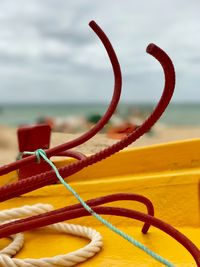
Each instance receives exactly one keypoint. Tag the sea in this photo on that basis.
(177, 114)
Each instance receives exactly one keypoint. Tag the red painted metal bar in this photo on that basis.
(113, 104)
(71, 154)
(21, 226)
(47, 178)
(28, 141)
(96, 202)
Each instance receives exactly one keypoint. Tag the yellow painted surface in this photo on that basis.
(169, 175)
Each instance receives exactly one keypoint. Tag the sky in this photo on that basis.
(48, 53)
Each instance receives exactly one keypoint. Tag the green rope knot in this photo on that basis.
(38, 153)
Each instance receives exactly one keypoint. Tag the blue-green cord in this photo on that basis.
(41, 153)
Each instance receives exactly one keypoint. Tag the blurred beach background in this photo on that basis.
(53, 68)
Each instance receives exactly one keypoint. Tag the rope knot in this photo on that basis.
(38, 153)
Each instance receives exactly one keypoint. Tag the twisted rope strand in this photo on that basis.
(69, 259)
(15, 246)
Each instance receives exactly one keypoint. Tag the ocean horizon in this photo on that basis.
(177, 114)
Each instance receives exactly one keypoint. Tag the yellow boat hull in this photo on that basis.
(168, 174)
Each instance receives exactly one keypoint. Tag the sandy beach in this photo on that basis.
(160, 134)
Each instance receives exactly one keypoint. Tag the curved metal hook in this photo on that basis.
(86, 136)
(25, 224)
(47, 178)
(35, 220)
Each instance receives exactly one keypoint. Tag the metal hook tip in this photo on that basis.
(150, 48)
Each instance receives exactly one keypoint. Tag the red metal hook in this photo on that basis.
(85, 137)
(76, 211)
(47, 178)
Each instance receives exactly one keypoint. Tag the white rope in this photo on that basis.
(15, 246)
(69, 259)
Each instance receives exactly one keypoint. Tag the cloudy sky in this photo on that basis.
(49, 54)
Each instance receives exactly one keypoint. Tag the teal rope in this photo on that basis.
(41, 153)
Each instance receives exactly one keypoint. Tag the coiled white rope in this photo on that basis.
(69, 259)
